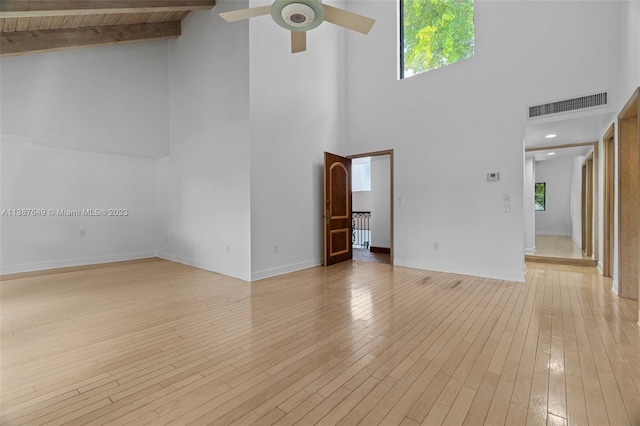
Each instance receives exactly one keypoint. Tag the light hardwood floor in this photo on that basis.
(357, 343)
(558, 246)
(368, 256)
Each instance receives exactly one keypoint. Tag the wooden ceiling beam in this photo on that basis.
(25, 42)
(39, 8)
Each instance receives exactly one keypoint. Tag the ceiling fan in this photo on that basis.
(300, 16)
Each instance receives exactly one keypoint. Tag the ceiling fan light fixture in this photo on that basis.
(297, 15)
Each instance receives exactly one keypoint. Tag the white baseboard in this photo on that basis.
(185, 261)
(456, 269)
(614, 287)
(207, 266)
(255, 276)
(576, 242)
(65, 263)
(272, 272)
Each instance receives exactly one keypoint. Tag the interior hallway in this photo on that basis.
(558, 246)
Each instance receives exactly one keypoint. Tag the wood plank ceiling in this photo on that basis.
(33, 26)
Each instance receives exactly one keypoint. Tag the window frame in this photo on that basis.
(401, 39)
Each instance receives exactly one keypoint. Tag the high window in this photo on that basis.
(434, 33)
(361, 174)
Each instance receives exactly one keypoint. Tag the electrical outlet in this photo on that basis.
(83, 233)
(276, 249)
(228, 248)
(436, 246)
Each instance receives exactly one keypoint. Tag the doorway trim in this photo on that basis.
(609, 184)
(567, 145)
(589, 239)
(388, 152)
(628, 202)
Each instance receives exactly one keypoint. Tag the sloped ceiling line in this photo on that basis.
(33, 26)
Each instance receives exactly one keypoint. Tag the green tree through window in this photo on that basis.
(435, 33)
(541, 197)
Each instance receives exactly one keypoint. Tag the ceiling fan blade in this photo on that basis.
(237, 15)
(298, 41)
(349, 20)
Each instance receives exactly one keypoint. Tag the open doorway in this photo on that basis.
(547, 140)
(564, 191)
(372, 208)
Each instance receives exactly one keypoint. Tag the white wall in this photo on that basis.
(361, 201)
(449, 127)
(296, 114)
(529, 206)
(629, 50)
(380, 209)
(38, 177)
(207, 175)
(79, 129)
(111, 99)
(557, 174)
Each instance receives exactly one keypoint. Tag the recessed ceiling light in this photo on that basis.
(550, 136)
(551, 153)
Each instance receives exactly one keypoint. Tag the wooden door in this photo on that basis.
(609, 194)
(337, 209)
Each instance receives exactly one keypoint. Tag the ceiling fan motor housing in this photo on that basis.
(297, 15)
